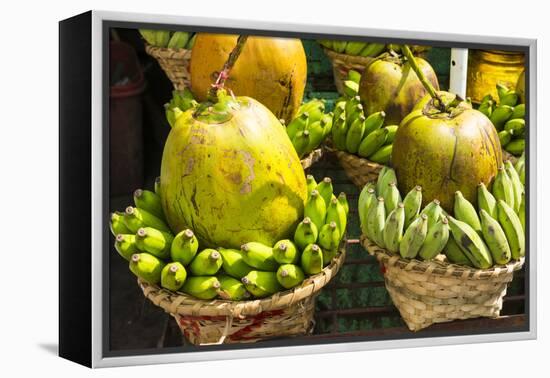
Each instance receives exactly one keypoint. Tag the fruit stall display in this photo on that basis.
(232, 252)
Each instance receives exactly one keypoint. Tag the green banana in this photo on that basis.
(454, 253)
(519, 111)
(178, 40)
(344, 202)
(290, 275)
(376, 220)
(511, 98)
(206, 263)
(521, 212)
(117, 225)
(505, 137)
(517, 186)
(502, 187)
(393, 229)
(232, 289)
(329, 240)
(486, 108)
(315, 209)
(413, 203)
(372, 142)
(233, 263)
(486, 201)
(148, 201)
(351, 88)
(162, 37)
(285, 252)
(339, 46)
(392, 129)
(306, 233)
(516, 147)
(259, 256)
(191, 42)
(336, 213)
(354, 76)
(436, 239)
(339, 109)
(515, 127)
(326, 43)
(184, 247)
(373, 49)
(502, 91)
(522, 174)
(326, 124)
(147, 267)
(149, 36)
(351, 104)
(314, 107)
(157, 185)
(464, 211)
(316, 135)
(354, 47)
(261, 284)
(312, 259)
(297, 124)
(374, 122)
(125, 245)
(173, 276)
(520, 163)
(155, 242)
(385, 176)
(135, 218)
(310, 183)
(414, 237)
(355, 134)
(500, 115)
(383, 155)
(202, 287)
(301, 142)
(433, 210)
(339, 131)
(366, 197)
(355, 113)
(511, 225)
(471, 244)
(392, 197)
(324, 188)
(494, 236)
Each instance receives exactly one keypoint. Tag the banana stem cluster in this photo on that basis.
(228, 65)
(429, 87)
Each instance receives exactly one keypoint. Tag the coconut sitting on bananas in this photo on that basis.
(232, 184)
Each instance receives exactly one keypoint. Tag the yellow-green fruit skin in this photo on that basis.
(232, 289)
(233, 263)
(261, 284)
(147, 267)
(202, 287)
(206, 263)
(234, 181)
(454, 253)
(290, 275)
(173, 276)
(494, 236)
(444, 155)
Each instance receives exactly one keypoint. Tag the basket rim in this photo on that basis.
(166, 52)
(312, 158)
(442, 268)
(184, 304)
(357, 59)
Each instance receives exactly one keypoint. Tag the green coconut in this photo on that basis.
(230, 173)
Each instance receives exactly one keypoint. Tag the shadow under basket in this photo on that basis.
(359, 170)
(288, 313)
(428, 292)
(174, 62)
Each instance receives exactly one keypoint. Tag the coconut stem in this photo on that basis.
(427, 85)
(228, 65)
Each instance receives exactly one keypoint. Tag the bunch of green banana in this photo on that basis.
(508, 117)
(356, 48)
(357, 133)
(309, 127)
(166, 38)
(181, 101)
(176, 262)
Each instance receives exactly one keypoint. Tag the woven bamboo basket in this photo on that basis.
(508, 156)
(342, 63)
(288, 313)
(174, 62)
(428, 292)
(359, 170)
(313, 157)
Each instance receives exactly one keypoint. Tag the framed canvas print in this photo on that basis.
(232, 189)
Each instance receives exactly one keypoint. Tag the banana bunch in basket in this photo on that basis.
(356, 48)
(178, 263)
(508, 117)
(168, 39)
(310, 127)
(491, 234)
(356, 133)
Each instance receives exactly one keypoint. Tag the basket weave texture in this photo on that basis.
(174, 62)
(342, 63)
(312, 158)
(428, 292)
(359, 170)
(287, 313)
